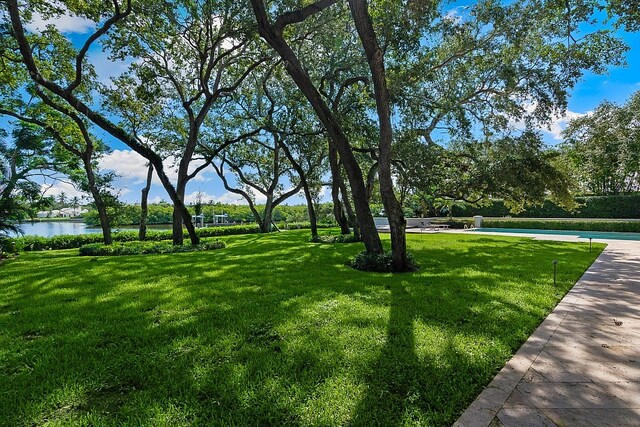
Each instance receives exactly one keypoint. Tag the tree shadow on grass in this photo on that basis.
(175, 336)
(407, 386)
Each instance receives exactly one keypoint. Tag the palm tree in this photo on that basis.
(75, 203)
(62, 199)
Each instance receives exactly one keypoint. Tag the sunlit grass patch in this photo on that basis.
(271, 330)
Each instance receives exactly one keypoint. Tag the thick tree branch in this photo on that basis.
(295, 17)
(118, 16)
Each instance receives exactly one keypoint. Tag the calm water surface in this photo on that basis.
(54, 228)
(614, 235)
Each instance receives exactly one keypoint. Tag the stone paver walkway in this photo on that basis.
(581, 367)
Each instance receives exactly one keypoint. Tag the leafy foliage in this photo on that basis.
(379, 262)
(27, 154)
(139, 248)
(340, 238)
(614, 207)
(579, 225)
(39, 243)
(162, 214)
(604, 148)
(518, 169)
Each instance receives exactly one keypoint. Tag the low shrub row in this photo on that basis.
(68, 241)
(594, 225)
(147, 247)
(301, 225)
(621, 206)
(339, 238)
(379, 263)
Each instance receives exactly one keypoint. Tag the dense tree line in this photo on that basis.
(162, 213)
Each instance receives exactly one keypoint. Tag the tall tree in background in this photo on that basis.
(627, 13)
(27, 156)
(188, 55)
(272, 33)
(62, 73)
(76, 150)
(375, 58)
(475, 72)
(144, 204)
(604, 148)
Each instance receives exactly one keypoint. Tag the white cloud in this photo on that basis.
(157, 199)
(556, 125)
(130, 165)
(455, 15)
(227, 198)
(192, 197)
(230, 199)
(105, 68)
(60, 187)
(126, 163)
(65, 23)
(559, 123)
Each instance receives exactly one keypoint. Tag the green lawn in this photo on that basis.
(272, 330)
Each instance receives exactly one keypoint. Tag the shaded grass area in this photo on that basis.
(272, 330)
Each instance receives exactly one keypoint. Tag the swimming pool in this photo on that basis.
(580, 234)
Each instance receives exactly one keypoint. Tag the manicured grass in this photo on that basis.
(271, 330)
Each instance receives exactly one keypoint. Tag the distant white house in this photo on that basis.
(62, 213)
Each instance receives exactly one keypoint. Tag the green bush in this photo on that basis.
(379, 263)
(7, 246)
(227, 230)
(68, 241)
(613, 207)
(147, 247)
(301, 225)
(340, 238)
(595, 225)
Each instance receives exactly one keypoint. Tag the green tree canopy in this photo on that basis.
(604, 148)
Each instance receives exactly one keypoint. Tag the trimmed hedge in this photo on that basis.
(68, 241)
(578, 225)
(302, 225)
(610, 207)
(146, 247)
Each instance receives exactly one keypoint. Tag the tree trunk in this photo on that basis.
(98, 119)
(267, 216)
(336, 179)
(371, 180)
(178, 217)
(144, 208)
(346, 203)
(294, 68)
(97, 199)
(305, 187)
(311, 209)
(375, 58)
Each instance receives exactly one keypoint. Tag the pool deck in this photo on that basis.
(581, 367)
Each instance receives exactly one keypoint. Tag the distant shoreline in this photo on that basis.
(57, 219)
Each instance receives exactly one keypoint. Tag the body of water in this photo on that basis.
(54, 228)
(580, 234)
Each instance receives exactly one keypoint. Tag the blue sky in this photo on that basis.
(616, 86)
